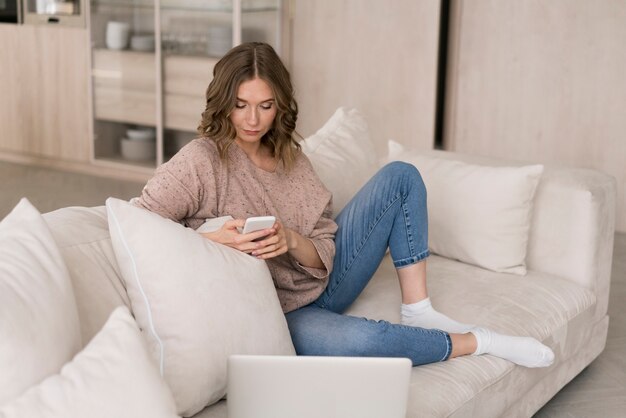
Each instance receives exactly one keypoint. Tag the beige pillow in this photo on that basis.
(82, 235)
(113, 376)
(478, 214)
(196, 302)
(342, 155)
(39, 328)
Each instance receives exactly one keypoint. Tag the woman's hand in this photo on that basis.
(229, 235)
(275, 241)
(274, 244)
(285, 239)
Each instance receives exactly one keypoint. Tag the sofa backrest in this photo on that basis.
(573, 224)
(82, 235)
(573, 229)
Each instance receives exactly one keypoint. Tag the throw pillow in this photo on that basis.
(39, 327)
(113, 376)
(479, 214)
(197, 302)
(342, 155)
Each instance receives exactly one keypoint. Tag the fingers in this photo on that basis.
(263, 244)
(271, 247)
(234, 224)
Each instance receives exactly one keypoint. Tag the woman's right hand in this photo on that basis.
(229, 235)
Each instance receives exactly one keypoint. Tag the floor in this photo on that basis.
(599, 391)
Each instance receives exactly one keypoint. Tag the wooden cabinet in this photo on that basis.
(124, 86)
(10, 82)
(44, 100)
(161, 87)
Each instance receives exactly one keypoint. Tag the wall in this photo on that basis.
(377, 56)
(43, 92)
(540, 81)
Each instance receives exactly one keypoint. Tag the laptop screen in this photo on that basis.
(306, 386)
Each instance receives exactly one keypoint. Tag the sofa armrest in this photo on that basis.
(573, 229)
(573, 224)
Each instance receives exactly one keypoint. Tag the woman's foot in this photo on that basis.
(525, 351)
(423, 315)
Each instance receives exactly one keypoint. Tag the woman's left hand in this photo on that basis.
(273, 245)
(285, 239)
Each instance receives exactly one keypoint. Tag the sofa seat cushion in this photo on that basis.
(535, 305)
(551, 309)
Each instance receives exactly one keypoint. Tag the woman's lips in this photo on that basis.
(252, 133)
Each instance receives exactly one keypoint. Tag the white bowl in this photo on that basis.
(138, 150)
(141, 134)
(142, 43)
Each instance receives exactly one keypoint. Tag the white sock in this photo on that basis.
(423, 315)
(525, 351)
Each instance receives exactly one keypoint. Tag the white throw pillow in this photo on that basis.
(113, 376)
(197, 302)
(479, 214)
(39, 328)
(342, 155)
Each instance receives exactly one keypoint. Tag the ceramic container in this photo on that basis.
(133, 150)
(117, 35)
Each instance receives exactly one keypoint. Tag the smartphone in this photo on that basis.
(257, 223)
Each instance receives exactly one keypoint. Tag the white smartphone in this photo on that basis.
(257, 223)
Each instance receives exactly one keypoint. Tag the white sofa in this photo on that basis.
(562, 300)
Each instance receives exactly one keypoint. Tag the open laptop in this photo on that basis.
(328, 387)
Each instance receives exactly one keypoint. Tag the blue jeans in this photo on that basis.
(388, 212)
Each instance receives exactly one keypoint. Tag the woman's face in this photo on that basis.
(254, 111)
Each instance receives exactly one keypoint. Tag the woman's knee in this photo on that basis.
(407, 174)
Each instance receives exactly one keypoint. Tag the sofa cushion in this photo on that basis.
(82, 235)
(112, 377)
(552, 309)
(479, 214)
(39, 326)
(533, 306)
(342, 155)
(196, 301)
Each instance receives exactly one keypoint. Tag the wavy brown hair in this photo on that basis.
(243, 63)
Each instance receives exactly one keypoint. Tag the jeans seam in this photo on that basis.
(448, 352)
(403, 262)
(360, 247)
(448, 347)
(407, 227)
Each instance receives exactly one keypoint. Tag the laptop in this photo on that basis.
(308, 386)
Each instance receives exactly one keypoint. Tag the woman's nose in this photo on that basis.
(252, 116)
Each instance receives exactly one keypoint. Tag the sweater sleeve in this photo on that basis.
(323, 238)
(177, 189)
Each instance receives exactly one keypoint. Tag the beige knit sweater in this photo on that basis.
(196, 184)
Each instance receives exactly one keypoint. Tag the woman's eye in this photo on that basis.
(240, 105)
(266, 106)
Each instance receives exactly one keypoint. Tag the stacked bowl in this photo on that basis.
(139, 144)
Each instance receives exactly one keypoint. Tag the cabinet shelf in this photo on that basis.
(211, 7)
(164, 88)
(124, 88)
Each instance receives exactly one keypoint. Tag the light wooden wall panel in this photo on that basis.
(377, 56)
(10, 89)
(540, 81)
(44, 98)
(55, 102)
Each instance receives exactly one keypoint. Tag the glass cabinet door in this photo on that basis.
(195, 34)
(124, 81)
(61, 12)
(152, 61)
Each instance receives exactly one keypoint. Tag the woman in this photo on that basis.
(246, 163)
